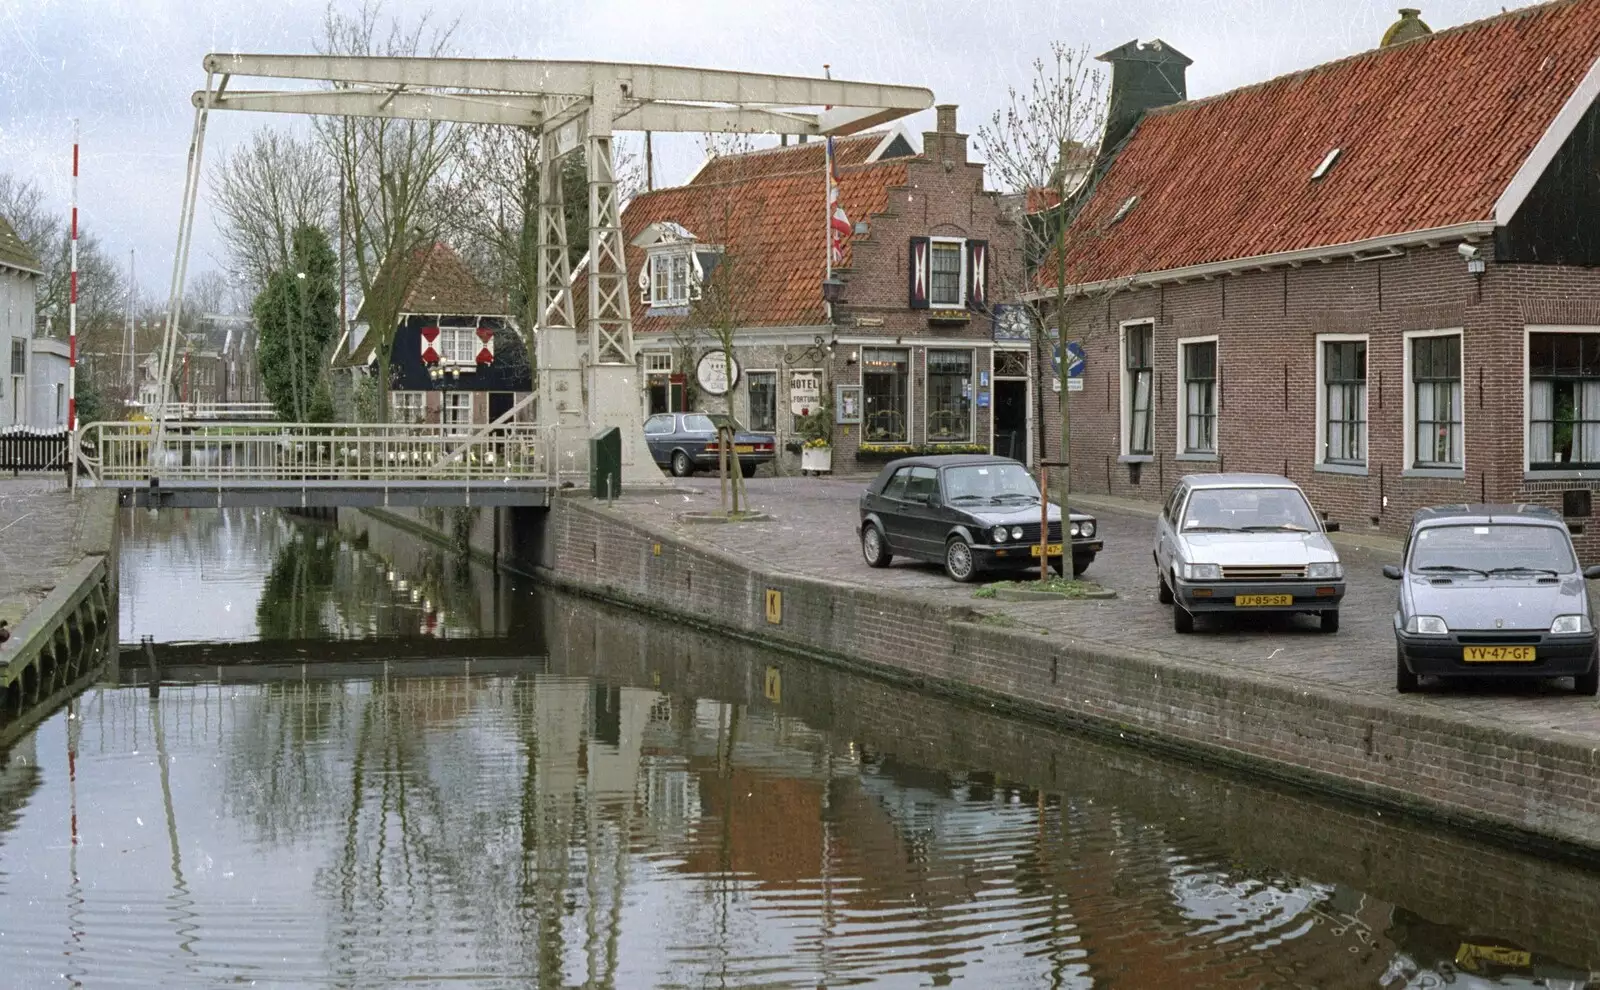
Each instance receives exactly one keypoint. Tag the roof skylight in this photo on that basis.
(1327, 163)
(1125, 208)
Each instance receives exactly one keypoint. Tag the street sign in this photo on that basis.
(1075, 364)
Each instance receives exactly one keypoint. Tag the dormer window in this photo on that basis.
(670, 277)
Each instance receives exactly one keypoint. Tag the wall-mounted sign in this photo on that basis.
(847, 404)
(714, 375)
(1012, 322)
(1075, 364)
(805, 391)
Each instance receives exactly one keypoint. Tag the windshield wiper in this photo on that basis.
(1211, 529)
(1010, 495)
(1454, 569)
(1524, 570)
(962, 498)
(1275, 528)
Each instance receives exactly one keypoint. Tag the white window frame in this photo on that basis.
(1410, 446)
(1124, 390)
(421, 405)
(450, 345)
(911, 392)
(972, 399)
(1183, 452)
(1320, 456)
(777, 406)
(667, 256)
(961, 288)
(658, 363)
(451, 398)
(1527, 401)
(1027, 355)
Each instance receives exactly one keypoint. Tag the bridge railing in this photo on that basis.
(213, 411)
(254, 452)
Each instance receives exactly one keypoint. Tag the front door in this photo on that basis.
(1011, 418)
(500, 403)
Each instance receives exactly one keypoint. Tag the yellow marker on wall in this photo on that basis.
(774, 686)
(774, 606)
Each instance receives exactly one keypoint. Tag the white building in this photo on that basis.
(19, 274)
(46, 385)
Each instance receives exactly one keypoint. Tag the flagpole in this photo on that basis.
(72, 321)
(827, 203)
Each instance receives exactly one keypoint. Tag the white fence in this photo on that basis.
(305, 452)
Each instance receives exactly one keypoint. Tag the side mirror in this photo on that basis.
(1393, 573)
(1591, 573)
(1330, 527)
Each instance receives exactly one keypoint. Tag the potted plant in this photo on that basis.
(816, 453)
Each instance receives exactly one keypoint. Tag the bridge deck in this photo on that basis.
(319, 494)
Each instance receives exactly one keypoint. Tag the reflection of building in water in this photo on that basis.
(1429, 955)
(19, 778)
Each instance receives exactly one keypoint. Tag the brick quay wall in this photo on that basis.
(1525, 784)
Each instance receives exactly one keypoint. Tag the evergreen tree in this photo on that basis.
(297, 323)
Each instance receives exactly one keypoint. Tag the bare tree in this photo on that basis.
(400, 178)
(1041, 148)
(266, 189)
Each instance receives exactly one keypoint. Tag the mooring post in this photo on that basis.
(150, 663)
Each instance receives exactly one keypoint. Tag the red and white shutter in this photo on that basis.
(978, 275)
(486, 345)
(430, 345)
(918, 272)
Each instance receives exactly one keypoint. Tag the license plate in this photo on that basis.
(744, 448)
(1054, 548)
(1498, 654)
(1257, 601)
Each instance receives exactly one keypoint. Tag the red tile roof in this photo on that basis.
(1431, 131)
(767, 209)
(444, 285)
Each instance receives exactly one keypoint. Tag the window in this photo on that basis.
(1198, 417)
(1344, 402)
(1436, 400)
(1136, 382)
(1563, 400)
(923, 485)
(407, 407)
(1011, 364)
(458, 411)
(949, 396)
(944, 287)
(61, 393)
(459, 345)
(19, 356)
(762, 388)
(669, 278)
(658, 426)
(884, 387)
(896, 488)
(658, 364)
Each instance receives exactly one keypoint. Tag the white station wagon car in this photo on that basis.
(1245, 543)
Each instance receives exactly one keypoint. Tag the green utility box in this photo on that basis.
(605, 463)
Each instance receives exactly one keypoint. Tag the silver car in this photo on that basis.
(1245, 543)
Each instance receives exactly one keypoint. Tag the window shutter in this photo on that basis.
(430, 349)
(486, 345)
(917, 271)
(978, 275)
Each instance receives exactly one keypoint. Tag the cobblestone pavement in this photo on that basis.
(813, 533)
(40, 528)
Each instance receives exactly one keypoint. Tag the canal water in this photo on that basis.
(361, 760)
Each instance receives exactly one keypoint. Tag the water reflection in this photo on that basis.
(649, 806)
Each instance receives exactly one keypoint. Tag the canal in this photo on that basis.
(350, 758)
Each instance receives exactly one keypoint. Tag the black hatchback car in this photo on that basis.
(969, 512)
(1493, 591)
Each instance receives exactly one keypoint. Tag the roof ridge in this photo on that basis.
(843, 169)
(782, 148)
(1505, 15)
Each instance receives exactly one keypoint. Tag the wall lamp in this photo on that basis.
(832, 290)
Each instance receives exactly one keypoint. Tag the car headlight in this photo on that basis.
(1427, 625)
(1075, 530)
(999, 534)
(1325, 571)
(1016, 532)
(1200, 572)
(1088, 528)
(1569, 625)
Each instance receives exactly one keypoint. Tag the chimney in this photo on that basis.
(1143, 77)
(944, 143)
(1408, 28)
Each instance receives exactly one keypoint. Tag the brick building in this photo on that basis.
(1377, 276)
(911, 341)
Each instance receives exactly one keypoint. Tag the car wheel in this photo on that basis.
(1405, 681)
(682, 467)
(1163, 591)
(958, 562)
(1330, 621)
(748, 470)
(1182, 619)
(1081, 562)
(873, 548)
(1588, 683)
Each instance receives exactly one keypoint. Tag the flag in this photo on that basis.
(838, 222)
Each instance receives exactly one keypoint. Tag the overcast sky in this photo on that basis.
(127, 67)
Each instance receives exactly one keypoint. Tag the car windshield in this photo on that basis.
(989, 483)
(1497, 548)
(1248, 510)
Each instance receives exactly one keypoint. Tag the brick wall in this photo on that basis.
(1380, 749)
(1441, 875)
(1267, 324)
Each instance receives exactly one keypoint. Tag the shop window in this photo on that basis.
(762, 392)
(949, 406)
(885, 382)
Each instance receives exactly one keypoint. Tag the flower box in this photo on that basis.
(816, 460)
(891, 451)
